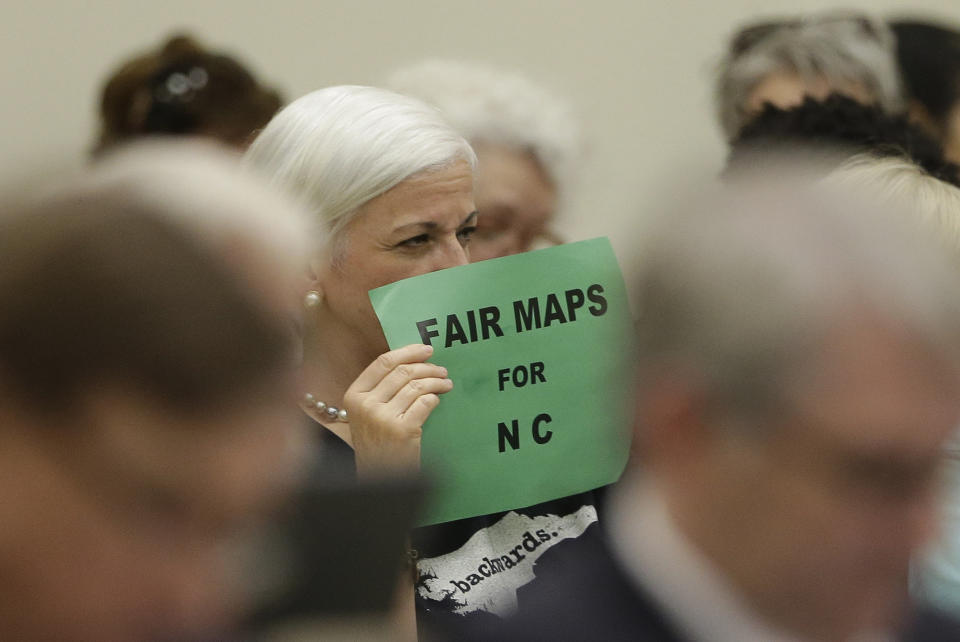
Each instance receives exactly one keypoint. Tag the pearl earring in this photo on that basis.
(312, 299)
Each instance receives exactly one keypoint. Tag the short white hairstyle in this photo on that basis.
(489, 105)
(337, 148)
(840, 47)
(934, 203)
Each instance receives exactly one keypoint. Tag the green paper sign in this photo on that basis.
(538, 348)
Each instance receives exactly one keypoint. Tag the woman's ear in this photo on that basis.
(315, 269)
(321, 269)
(317, 273)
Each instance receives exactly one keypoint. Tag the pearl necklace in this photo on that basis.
(332, 413)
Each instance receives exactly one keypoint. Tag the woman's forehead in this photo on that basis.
(440, 196)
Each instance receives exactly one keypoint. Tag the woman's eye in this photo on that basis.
(415, 241)
(466, 234)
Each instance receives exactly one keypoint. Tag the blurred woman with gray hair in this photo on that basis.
(526, 140)
(783, 61)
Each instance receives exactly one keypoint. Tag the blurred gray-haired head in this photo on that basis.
(337, 148)
(742, 286)
(839, 48)
(490, 105)
(163, 267)
(203, 188)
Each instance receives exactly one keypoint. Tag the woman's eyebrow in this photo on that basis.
(425, 225)
(432, 225)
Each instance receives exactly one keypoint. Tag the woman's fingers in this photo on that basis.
(420, 409)
(387, 362)
(406, 397)
(402, 375)
(388, 404)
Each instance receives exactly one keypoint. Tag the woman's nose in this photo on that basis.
(451, 254)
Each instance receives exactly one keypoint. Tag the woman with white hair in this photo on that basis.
(390, 184)
(527, 143)
(783, 61)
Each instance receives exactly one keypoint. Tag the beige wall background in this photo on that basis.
(638, 73)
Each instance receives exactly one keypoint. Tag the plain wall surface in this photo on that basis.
(638, 73)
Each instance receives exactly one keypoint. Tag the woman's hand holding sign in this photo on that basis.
(388, 405)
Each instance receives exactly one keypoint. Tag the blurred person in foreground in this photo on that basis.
(183, 89)
(929, 57)
(935, 205)
(390, 184)
(799, 366)
(781, 62)
(146, 377)
(527, 144)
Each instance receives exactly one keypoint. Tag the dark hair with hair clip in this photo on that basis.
(184, 90)
(838, 123)
(173, 89)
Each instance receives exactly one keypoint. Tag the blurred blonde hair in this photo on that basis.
(935, 203)
(204, 188)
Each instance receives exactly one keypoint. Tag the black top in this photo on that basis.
(476, 570)
(335, 456)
